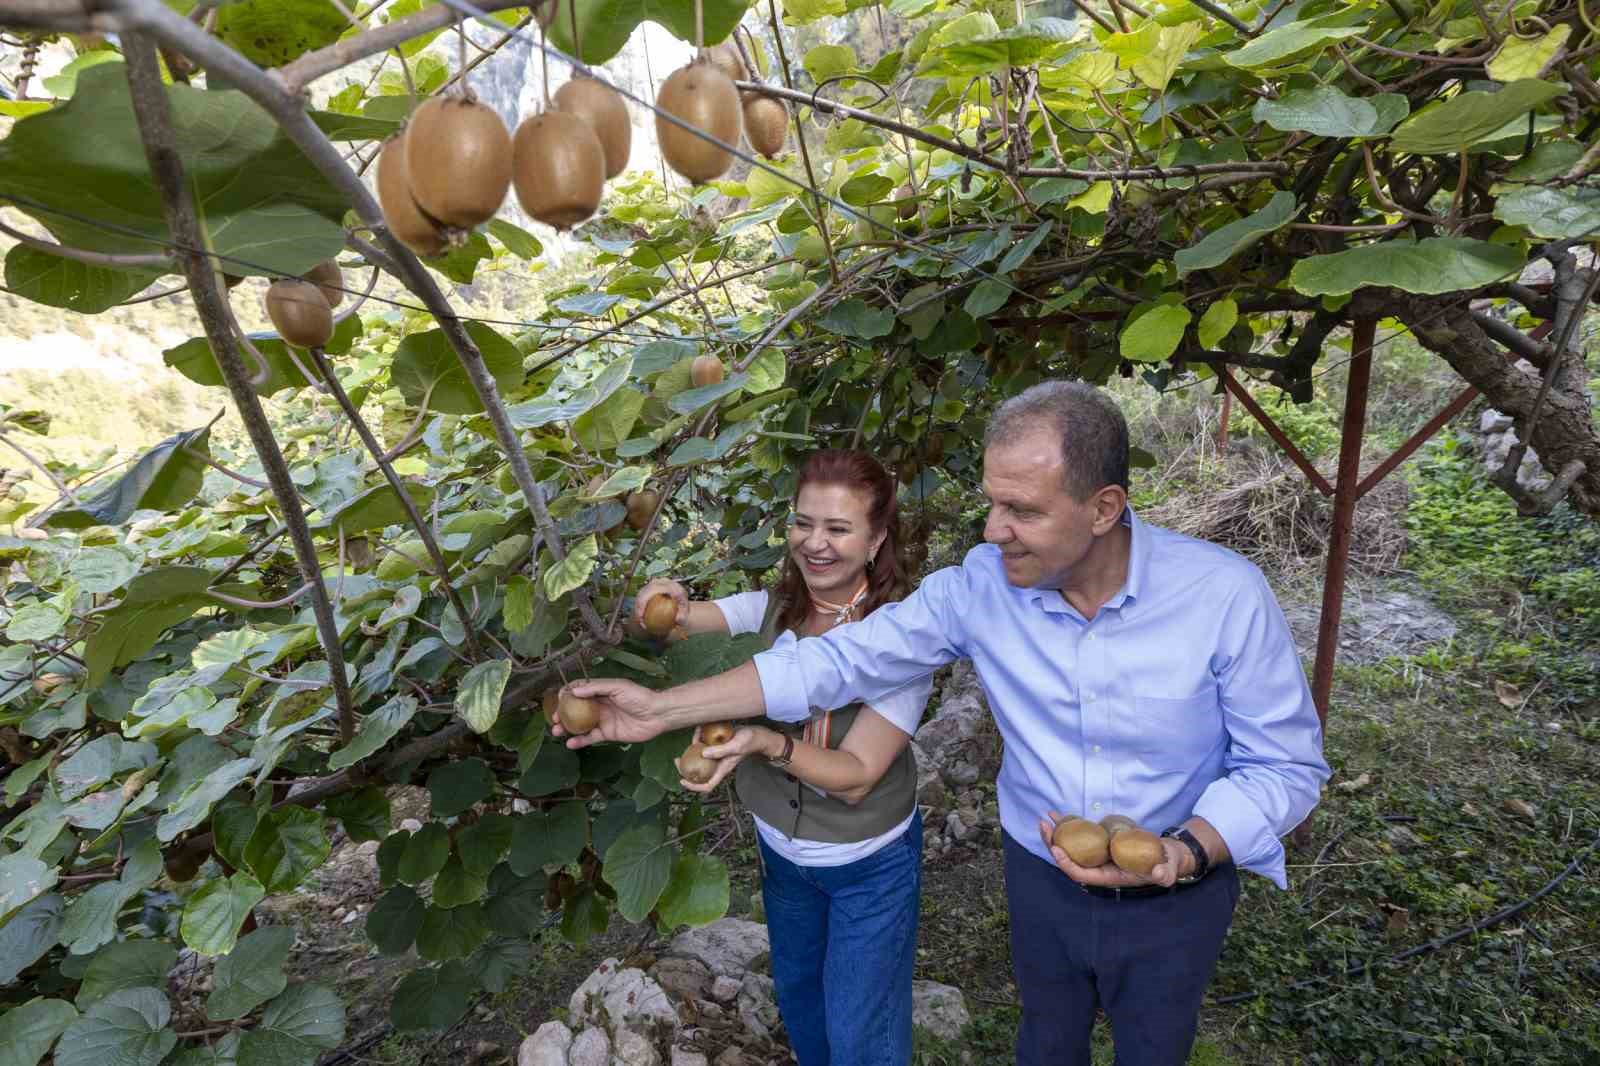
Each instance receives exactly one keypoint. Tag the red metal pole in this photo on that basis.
(1279, 437)
(1227, 416)
(1346, 493)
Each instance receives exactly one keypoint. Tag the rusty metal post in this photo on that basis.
(1227, 415)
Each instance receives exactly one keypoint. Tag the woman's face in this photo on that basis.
(831, 539)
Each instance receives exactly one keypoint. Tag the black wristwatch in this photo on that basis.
(1202, 861)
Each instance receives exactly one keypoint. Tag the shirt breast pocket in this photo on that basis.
(1175, 734)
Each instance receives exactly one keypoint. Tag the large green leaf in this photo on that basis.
(196, 803)
(250, 974)
(27, 1031)
(546, 410)
(638, 865)
(154, 601)
(425, 854)
(572, 571)
(1155, 334)
(164, 479)
(126, 1028)
(213, 915)
(604, 26)
(1288, 42)
(1552, 213)
(377, 729)
(1223, 244)
(432, 998)
(549, 838)
(478, 698)
(286, 846)
(1469, 117)
(609, 422)
(61, 282)
(262, 201)
(270, 33)
(1022, 45)
(554, 769)
(23, 878)
(1435, 265)
(30, 933)
(425, 367)
(1327, 112)
(125, 964)
(458, 786)
(697, 891)
(451, 932)
(297, 1027)
(393, 922)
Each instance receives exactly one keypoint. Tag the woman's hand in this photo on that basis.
(747, 740)
(662, 586)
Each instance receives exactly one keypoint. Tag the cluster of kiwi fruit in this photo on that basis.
(694, 765)
(703, 95)
(449, 169)
(301, 309)
(1115, 838)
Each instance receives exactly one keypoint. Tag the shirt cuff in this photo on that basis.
(1242, 826)
(782, 684)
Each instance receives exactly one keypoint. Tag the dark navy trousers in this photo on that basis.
(1146, 961)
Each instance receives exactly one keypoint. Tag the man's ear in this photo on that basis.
(1108, 505)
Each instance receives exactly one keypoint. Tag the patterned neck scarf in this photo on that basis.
(842, 612)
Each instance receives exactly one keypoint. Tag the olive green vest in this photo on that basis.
(799, 811)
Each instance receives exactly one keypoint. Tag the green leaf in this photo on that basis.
(483, 842)
(1551, 213)
(1521, 57)
(853, 318)
(1435, 265)
(608, 424)
(30, 933)
(1157, 67)
(552, 837)
(586, 914)
(638, 865)
(262, 200)
(604, 26)
(545, 410)
(393, 922)
(92, 919)
(425, 854)
(195, 361)
(250, 974)
(864, 189)
(376, 508)
(213, 915)
(270, 33)
(515, 906)
(689, 401)
(301, 1023)
(126, 964)
(987, 297)
(164, 479)
(57, 281)
(554, 769)
(483, 686)
(197, 802)
(23, 878)
(460, 263)
(457, 787)
(426, 371)
(1468, 117)
(697, 891)
(1019, 252)
(364, 813)
(1216, 322)
(126, 1028)
(36, 621)
(1286, 43)
(456, 886)
(451, 932)
(1155, 334)
(1327, 112)
(518, 241)
(289, 843)
(433, 998)
(828, 60)
(572, 571)
(27, 1031)
(1223, 244)
(377, 729)
(517, 609)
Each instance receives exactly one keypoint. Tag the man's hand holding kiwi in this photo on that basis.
(1139, 858)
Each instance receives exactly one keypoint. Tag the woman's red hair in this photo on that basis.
(886, 580)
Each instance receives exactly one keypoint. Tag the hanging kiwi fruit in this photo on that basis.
(766, 124)
(601, 106)
(726, 58)
(706, 370)
(559, 168)
(300, 313)
(458, 160)
(642, 507)
(327, 276)
(410, 226)
(702, 97)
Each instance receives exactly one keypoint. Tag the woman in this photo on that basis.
(835, 802)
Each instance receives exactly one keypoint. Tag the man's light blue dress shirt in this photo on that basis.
(1183, 696)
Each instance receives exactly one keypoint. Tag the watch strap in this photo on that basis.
(788, 751)
(1202, 861)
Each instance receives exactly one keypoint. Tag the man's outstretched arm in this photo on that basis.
(630, 713)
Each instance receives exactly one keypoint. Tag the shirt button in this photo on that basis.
(1097, 749)
(796, 804)
(1091, 636)
(1096, 806)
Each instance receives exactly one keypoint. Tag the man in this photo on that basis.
(1131, 671)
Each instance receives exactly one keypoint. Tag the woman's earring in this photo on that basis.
(871, 561)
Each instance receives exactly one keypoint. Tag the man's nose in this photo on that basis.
(995, 531)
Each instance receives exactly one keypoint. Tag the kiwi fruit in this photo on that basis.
(327, 276)
(578, 715)
(694, 766)
(409, 224)
(706, 370)
(642, 507)
(702, 97)
(564, 884)
(660, 615)
(726, 58)
(551, 702)
(714, 733)
(458, 159)
(559, 167)
(906, 198)
(1085, 843)
(1116, 823)
(601, 106)
(1137, 851)
(300, 313)
(766, 124)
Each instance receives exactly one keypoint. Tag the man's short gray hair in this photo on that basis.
(1093, 433)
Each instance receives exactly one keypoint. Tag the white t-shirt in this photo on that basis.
(903, 707)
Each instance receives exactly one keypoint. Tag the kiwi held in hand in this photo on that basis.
(704, 98)
(410, 226)
(300, 313)
(765, 123)
(551, 705)
(559, 167)
(458, 159)
(1116, 823)
(1137, 851)
(327, 276)
(601, 106)
(694, 766)
(642, 507)
(1085, 843)
(578, 715)
(660, 615)
(706, 370)
(715, 733)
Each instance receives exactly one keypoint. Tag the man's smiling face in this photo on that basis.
(1042, 531)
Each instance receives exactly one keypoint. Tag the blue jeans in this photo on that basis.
(844, 939)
